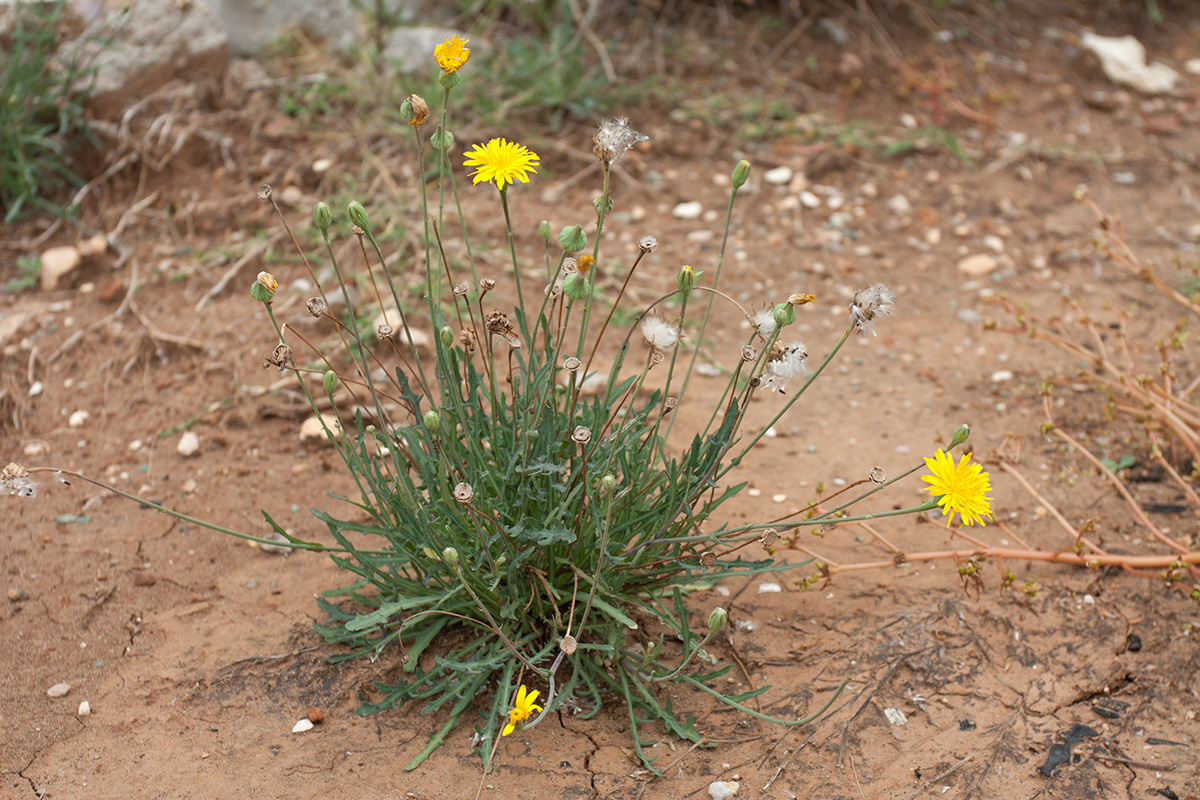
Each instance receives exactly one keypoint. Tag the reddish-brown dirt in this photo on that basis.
(196, 652)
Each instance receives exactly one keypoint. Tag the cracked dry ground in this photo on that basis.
(197, 655)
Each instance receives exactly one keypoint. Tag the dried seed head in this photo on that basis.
(670, 404)
(749, 354)
(280, 357)
(463, 492)
(787, 362)
(659, 334)
(467, 338)
(499, 323)
(461, 289)
(613, 139)
(871, 305)
(878, 475)
(568, 644)
(708, 560)
(553, 291)
(647, 244)
(769, 538)
(581, 435)
(486, 285)
(572, 364)
(420, 110)
(357, 231)
(385, 331)
(570, 266)
(315, 306)
(264, 192)
(14, 479)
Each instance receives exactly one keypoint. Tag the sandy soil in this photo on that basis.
(196, 653)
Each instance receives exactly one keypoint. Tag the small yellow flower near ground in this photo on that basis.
(452, 53)
(522, 710)
(959, 488)
(501, 162)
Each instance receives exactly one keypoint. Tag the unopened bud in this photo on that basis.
(608, 482)
(446, 334)
(961, 434)
(330, 381)
(741, 173)
(442, 140)
(322, 216)
(432, 419)
(575, 286)
(450, 556)
(572, 238)
(544, 230)
(785, 314)
(717, 620)
(685, 280)
(449, 80)
(358, 215)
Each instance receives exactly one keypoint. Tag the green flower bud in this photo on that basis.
(961, 434)
(572, 238)
(685, 280)
(322, 216)
(446, 334)
(544, 229)
(449, 80)
(603, 204)
(260, 293)
(450, 556)
(608, 482)
(330, 380)
(442, 140)
(741, 173)
(717, 620)
(576, 287)
(785, 314)
(432, 419)
(358, 215)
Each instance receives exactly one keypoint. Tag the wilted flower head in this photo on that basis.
(463, 492)
(787, 362)
(659, 334)
(14, 479)
(280, 357)
(799, 299)
(315, 306)
(501, 162)
(384, 331)
(419, 109)
(452, 53)
(763, 321)
(581, 435)
(585, 263)
(266, 286)
(870, 305)
(613, 139)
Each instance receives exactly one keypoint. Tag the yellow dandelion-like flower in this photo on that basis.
(502, 162)
(522, 710)
(452, 53)
(959, 488)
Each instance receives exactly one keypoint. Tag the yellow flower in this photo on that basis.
(452, 53)
(268, 282)
(960, 488)
(522, 710)
(501, 161)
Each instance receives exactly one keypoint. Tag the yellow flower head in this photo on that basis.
(959, 488)
(501, 161)
(452, 53)
(522, 710)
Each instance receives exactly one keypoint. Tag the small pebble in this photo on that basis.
(189, 444)
(59, 690)
(303, 725)
(189, 486)
(1124, 178)
(769, 587)
(17, 594)
(722, 790)
(85, 709)
(313, 429)
(36, 449)
(778, 498)
(993, 243)
(809, 200)
(778, 176)
(77, 419)
(977, 265)
(899, 205)
(322, 165)
(316, 715)
(691, 210)
(36, 389)
(1002, 375)
(895, 716)
(57, 262)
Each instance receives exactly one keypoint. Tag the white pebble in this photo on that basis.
(313, 428)
(778, 176)
(977, 265)
(1002, 375)
(899, 205)
(835, 201)
(135, 445)
(769, 587)
(809, 200)
(895, 716)
(993, 243)
(85, 709)
(721, 790)
(59, 689)
(36, 389)
(933, 236)
(908, 121)
(303, 725)
(57, 262)
(189, 444)
(778, 498)
(708, 370)
(322, 165)
(36, 449)
(690, 210)
(77, 419)
(189, 486)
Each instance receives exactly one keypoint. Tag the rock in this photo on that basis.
(140, 46)
(85, 709)
(1002, 375)
(1123, 59)
(17, 595)
(36, 449)
(411, 49)
(702, 235)
(316, 715)
(57, 262)
(909, 121)
(1192, 66)
(291, 196)
(253, 24)
(94, 246)
(77, 419)
(189, 486)
(59, 690)
(899, 205)
(189, 444)
(691, 210)
(720, 790)
(313, 428)
(1124, 178)
(144, 579)
(769, 587)
(303, 725)
(933, 237)
(895, 716)
(778, 176)
(977, 265)
(993, 243)
(809, 200)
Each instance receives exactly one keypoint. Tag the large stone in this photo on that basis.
(253, 23)
(411, 49)
(57, 262)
